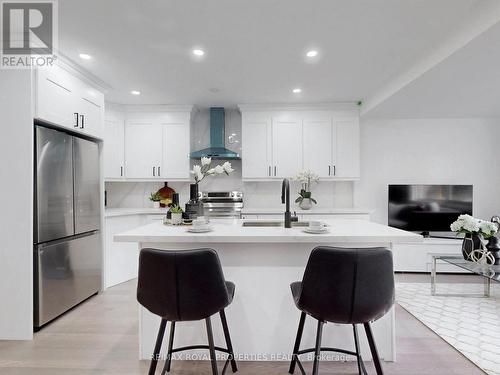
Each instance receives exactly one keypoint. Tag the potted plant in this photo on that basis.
(176, 214)
(155, 198)
(305, 199)
(475, 230)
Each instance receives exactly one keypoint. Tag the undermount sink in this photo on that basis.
(273, 223)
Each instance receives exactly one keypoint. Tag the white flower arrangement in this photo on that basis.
(470, 225)
(306, 178)
(204, 170)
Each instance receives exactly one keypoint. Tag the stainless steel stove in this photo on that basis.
(222, 204)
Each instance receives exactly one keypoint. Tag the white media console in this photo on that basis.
(417, 257)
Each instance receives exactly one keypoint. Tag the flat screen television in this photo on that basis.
(428, 208)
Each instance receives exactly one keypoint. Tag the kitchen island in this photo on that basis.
(262, 262)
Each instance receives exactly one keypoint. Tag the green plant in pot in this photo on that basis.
(176, 214)
(305, 199)
(155, 198)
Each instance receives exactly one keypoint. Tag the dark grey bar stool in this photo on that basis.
(183, 286)
(344, 286)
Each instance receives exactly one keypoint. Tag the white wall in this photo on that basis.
(429, 151)
(16, 201)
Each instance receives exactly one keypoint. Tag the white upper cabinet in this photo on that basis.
(91, 111)
(287, 146)
(143, 148)
(56, 97)
(256, 149)
(279, 143)
(64, 100)
(114, 146)
(347, 150)
(176, 147)
(157, 146)
(318, 146)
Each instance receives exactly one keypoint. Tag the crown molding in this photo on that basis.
(339, 106)
(151, 108)
(71, 66)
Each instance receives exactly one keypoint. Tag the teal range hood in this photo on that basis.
(217, 138)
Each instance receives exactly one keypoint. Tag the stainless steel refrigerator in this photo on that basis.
(67, 204)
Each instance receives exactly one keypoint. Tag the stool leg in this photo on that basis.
(168, 362)
(228, 340)
(156, 352)
(356, 344)
(298, 338)
(373, 349)
(317, 351)
(211, 346)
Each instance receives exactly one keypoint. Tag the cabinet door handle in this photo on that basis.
(82, 125)
(334, 170)
(154, 171)
(121, 171)
(76, 120)
(274, 171)
(269, 171)
(159, 174)
(329, 170)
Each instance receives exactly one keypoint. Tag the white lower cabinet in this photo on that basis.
(120, 258)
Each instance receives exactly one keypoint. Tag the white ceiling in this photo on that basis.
(254, 49)
(465, 85)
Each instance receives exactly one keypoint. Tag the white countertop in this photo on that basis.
(111, 212)
(231, 231)
(312, 211)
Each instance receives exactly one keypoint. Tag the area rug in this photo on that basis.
(470, 325)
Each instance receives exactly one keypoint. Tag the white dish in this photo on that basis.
(200, 230)
(316, 231)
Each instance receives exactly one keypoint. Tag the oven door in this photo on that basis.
(223, 210)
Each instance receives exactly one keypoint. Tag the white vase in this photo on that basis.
(156, 204)
(176, 218)
(305, 204)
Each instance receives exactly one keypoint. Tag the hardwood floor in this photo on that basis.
(100, 337)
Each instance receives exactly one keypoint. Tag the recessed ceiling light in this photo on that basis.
(312, 53)
(85, 56)
(297, 91)
(198, 52)
(135, 92)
